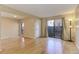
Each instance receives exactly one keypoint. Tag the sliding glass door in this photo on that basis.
(58, 28)
(50, 27)
(55, 28)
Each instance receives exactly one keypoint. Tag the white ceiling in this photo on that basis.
(44, 10)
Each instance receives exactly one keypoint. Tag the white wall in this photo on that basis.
(37, 28)
(77, 33)
(31, 28)
(77, 26)
(9, 28)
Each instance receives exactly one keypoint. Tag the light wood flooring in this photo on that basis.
(37, 46)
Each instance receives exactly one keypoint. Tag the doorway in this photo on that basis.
(55, 28)
(21, 28)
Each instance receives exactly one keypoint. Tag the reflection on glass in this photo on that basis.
(51, 23)
(55, 28)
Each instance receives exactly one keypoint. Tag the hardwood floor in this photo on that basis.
(36, 46)
(70, 48)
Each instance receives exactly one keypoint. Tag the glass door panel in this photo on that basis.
(58, 28)
(55, 28)
(50, 28)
